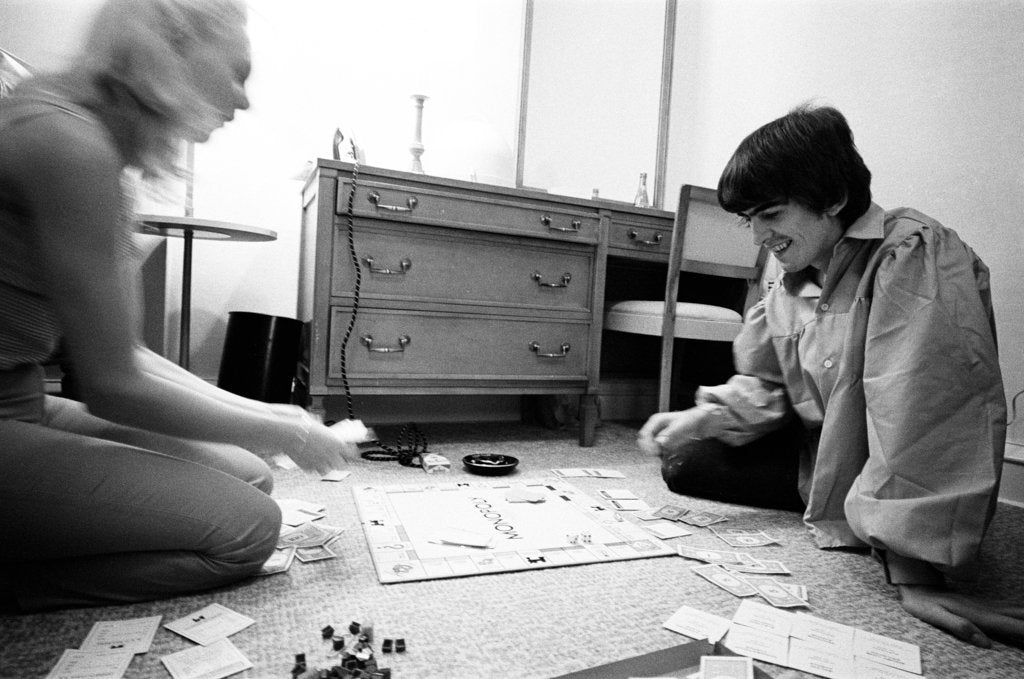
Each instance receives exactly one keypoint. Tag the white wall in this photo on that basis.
(934, 92)
(595, 80)
(317, 65)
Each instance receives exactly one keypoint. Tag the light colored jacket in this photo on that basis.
(892, 367)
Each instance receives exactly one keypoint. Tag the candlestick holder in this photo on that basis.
(416, 149)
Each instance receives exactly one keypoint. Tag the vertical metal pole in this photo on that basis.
(665, 103)
(186, 301)
(524, 91)
(186, 271)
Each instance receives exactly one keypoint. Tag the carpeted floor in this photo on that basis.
(539, 623)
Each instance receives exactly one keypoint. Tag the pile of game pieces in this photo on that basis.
(347, 656)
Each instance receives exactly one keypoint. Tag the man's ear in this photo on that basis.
(837, 208)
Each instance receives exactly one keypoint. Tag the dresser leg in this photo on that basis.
(589, 415)
(316, 407)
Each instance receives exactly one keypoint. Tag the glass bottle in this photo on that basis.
(641, 199)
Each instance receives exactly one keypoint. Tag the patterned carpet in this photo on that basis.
(539, 623)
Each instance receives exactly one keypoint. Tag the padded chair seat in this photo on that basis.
(695, 321)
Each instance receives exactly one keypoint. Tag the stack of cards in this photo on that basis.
(108, 649)
(742, 575)
(298, 512)
(215, 656)
(694, 518)
(308, 542)
(803, 642)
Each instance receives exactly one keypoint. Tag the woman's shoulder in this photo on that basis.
(43, 127)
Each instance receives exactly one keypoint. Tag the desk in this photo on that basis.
(464, 288)
(191, 228)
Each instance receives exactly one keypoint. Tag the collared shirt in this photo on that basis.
(892, 368)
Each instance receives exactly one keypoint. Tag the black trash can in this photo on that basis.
(260, 356)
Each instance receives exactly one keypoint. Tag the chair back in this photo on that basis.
(710, 240)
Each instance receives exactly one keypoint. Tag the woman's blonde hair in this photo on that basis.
(144, 47)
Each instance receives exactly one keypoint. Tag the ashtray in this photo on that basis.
(490, 464)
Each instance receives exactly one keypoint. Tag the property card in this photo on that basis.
(336, 475)
(219, 659)
(886, 651)
(865, 669)
(665, 529)
(279, 562)
(820, 660)
(317, 553)
(726, 667)
(831, 635)
(94, 664)
(135, 635)
(773, 648)
(298, 512)
(210, 624)
(697, 624)
(765, 618)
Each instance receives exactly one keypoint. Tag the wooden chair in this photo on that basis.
(705, 240)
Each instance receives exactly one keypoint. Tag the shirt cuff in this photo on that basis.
(904, 570)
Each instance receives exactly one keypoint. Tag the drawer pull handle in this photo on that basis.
(535, 348)
(404, 265)
(574, 228)
(633, 235)
(566, 277)
(410, 203)
(403, 342)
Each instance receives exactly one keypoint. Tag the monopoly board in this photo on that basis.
(409, 529)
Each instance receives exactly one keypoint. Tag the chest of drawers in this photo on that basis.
(437, 286)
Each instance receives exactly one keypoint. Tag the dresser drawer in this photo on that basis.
(652, 238)
(428, 264)
(417, 345)
(464, 209)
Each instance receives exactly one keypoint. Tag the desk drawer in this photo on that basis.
(481, 212)
(419, 345)
(649, 238)
(417, 263)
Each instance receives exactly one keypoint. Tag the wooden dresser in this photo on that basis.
(464, 288)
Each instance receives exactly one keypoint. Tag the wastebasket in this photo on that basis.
(260, 356)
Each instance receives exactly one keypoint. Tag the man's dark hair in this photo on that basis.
(807, 156)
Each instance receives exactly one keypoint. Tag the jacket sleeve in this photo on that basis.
(936, 411)
(753, 402)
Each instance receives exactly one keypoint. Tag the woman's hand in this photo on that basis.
(965, 617)
(671, 431)
(329, 448)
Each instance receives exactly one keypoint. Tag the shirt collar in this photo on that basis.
(870, 225)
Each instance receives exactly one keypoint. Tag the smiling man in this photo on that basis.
(868, 393)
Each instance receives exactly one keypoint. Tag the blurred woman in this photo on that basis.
(156, 484)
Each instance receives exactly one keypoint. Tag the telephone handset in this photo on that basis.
(410, 455)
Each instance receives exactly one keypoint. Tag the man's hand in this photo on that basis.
(670, 431)
(965, 617)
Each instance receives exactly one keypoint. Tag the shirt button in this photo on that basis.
(824, 307)
(827, 363)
